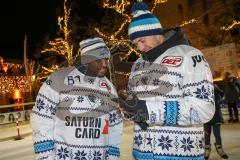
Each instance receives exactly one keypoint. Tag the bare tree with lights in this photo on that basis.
(63, 45)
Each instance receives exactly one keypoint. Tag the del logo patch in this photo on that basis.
(104, 84)
(172, 61)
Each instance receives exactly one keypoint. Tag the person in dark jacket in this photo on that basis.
(231, 91)
(215, 124)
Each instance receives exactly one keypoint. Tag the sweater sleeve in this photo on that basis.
(195, 105)
(115, 133)
(42, 121)
(115, 130)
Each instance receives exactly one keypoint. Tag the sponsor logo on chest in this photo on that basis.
(104, 84)
(172, 61)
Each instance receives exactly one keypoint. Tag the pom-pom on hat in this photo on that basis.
(93, 49)
(144, 23)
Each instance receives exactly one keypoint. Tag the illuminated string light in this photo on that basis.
(130, 51)
(120, 5)
(112, 39)
(13, 66)
(43, 75)
(10, 83)
(184, 23)
(157, 2)
(62, 46)
(161, 1)
(35, 70)
(52, 69)
(227, 28)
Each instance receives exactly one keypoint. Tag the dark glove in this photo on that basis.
(143, 125)
(135, 109)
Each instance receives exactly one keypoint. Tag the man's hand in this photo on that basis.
(135, 109)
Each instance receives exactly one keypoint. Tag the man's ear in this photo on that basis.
(160, 38)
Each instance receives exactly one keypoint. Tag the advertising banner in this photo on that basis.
(10, 117)
(222, 58)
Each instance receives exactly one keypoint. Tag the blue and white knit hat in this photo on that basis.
(144, 23)
(93, 49)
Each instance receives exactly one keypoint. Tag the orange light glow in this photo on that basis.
(5, 68)
(17, 94)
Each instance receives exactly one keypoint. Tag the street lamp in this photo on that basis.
(32, 87)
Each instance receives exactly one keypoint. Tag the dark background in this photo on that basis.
(37, 19)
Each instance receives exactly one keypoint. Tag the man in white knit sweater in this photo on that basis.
(170, 92)
(74, 117)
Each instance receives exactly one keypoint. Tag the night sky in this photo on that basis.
(36, 18)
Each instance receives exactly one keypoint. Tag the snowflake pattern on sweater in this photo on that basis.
(74, 118)
(179, 99)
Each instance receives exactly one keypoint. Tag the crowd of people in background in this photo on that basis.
(231, 90)
(225, 94)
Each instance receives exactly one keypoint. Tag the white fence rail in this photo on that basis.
(22, 112)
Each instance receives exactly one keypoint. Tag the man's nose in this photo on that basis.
(104, 62)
